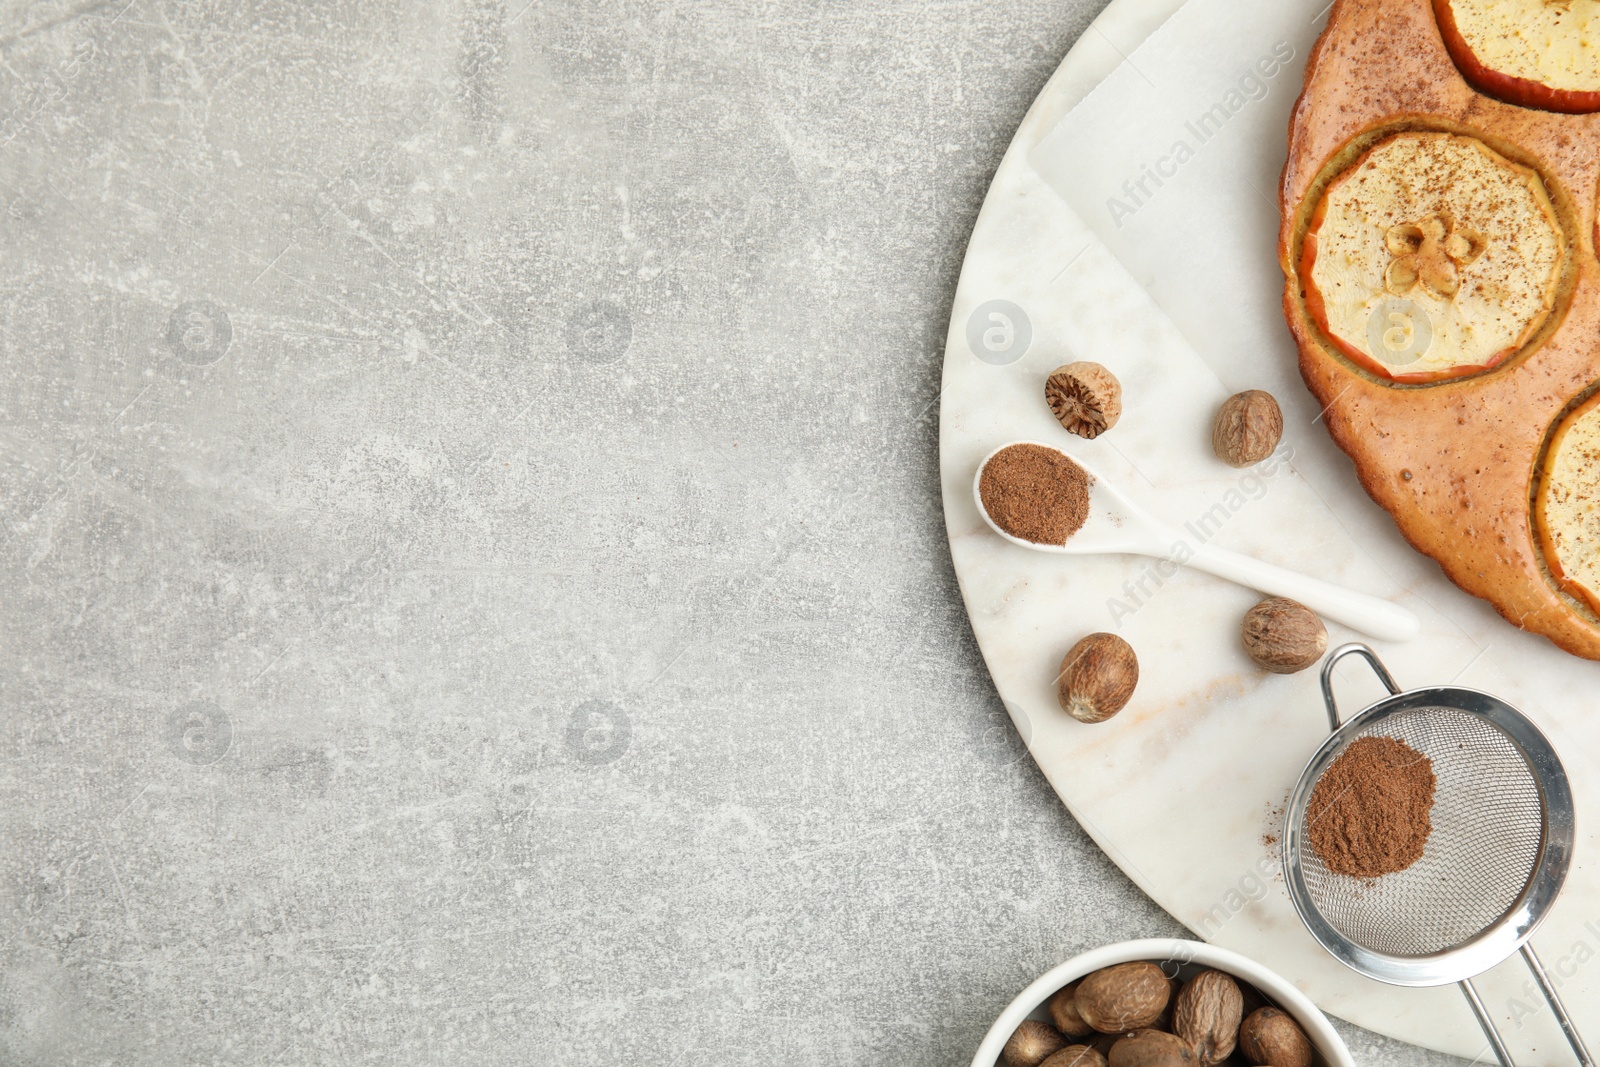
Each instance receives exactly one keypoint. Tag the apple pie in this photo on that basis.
(1438, 245)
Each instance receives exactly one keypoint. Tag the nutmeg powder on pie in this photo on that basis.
(1371, 811)
(1035, 493)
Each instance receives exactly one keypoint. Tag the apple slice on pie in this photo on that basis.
(1567, 503)
(1432, 256)
(1533, 53)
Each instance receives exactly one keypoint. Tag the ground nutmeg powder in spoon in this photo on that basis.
(1035, 493)
(1371, 811)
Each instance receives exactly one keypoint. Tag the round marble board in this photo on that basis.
(1184, 789)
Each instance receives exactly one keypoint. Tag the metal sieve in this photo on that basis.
(1492, 867)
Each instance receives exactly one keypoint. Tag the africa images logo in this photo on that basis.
(1252, 86)
(199, 332)
(1399, 331)
(999, 333)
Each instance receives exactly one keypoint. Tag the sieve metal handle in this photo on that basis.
(1354, 648)
(1548, 988)
(1497, 1043)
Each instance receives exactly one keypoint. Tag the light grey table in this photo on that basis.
(474, 582)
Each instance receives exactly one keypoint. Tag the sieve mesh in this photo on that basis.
(1488, 829)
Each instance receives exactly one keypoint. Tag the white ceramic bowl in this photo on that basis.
(1031, 1001)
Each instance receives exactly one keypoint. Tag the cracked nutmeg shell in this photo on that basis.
(1283, 636)
(1085, 398)
(1247, 429)
(1096, 680)
(1207, 1015)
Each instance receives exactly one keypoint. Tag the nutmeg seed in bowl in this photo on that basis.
(1030, 1044)
(1152, 1048)
(1326, 1048)
(1209, 1010)
(1269, 1037)
(1124, 998)
(1065, 1015)
(1076, 1056)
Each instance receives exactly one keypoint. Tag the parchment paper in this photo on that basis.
(1174, 162)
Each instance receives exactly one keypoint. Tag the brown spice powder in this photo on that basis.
(1035, 493)
(1370, 812)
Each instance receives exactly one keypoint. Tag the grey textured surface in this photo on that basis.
(475, 586)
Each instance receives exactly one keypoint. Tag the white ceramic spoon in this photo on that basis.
(1116, 525)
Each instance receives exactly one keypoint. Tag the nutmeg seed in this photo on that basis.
(1030, 1044)
(1283, 635)
(1247, 429)
(1152, 1048)
(1085, 398)
(1097, 679)
(1124, 998)
(1064, 1013)
(1207, 1014)
(1076, 1056)
(1269, 1037)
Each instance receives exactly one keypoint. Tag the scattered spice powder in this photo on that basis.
(1370, 812)
(1035, 493)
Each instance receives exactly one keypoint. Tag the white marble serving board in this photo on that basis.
(1185, 787)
